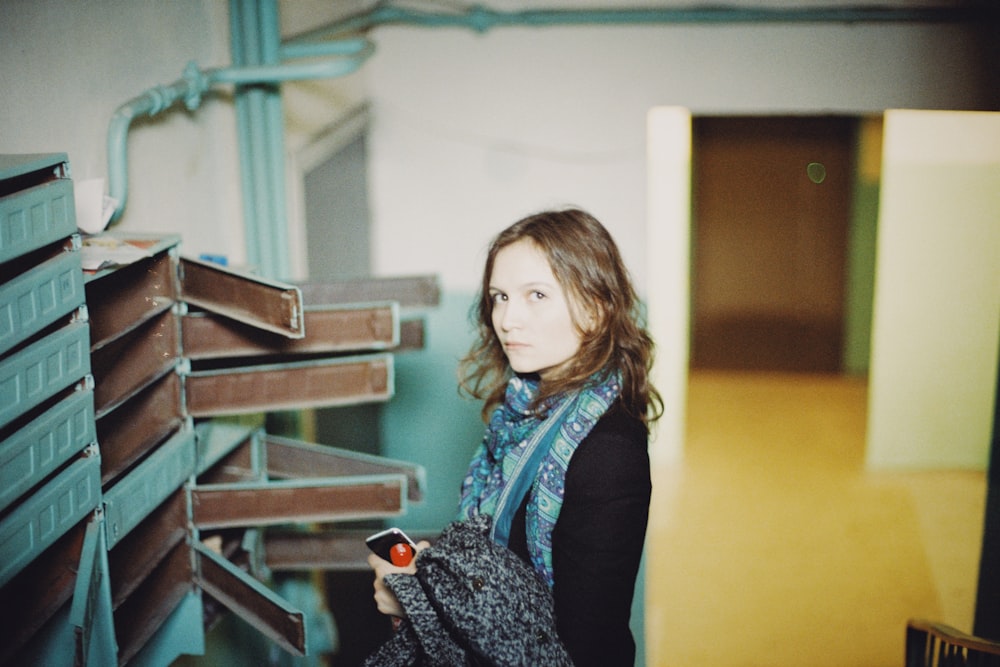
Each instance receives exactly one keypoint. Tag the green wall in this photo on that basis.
(427, 422)
(860, 278)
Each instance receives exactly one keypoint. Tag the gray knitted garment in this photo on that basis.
(472, 602)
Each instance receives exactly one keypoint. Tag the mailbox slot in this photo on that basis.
(36, 203)
(40, 296)
(38, 372)
(42, 446)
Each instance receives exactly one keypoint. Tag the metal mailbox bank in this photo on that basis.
(131, 515)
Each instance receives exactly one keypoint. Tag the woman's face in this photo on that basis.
(531, 311)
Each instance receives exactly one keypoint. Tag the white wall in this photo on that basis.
(471, 131)
(937, 292)
(66, 67)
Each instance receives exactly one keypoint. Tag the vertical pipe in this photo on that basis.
(239, 48)
(276, 227)
(260, 122)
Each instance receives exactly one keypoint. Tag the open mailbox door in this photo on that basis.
(241, 344)
(246, 480)
(250, 600)
(90, 615)
(250, 479)
(244, 345)
(264, 304)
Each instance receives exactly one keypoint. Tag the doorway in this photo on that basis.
(771, 206)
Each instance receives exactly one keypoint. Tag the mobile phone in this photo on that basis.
(392, 545)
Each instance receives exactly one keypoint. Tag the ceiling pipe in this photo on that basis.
(482, 19)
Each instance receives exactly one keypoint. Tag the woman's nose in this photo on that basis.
(509, 317)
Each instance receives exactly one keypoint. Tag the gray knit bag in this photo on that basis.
(472, 602)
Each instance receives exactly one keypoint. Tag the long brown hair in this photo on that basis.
(586, 262)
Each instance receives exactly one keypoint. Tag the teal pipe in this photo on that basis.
(150, 103)
(481, 19)
(274, 74)
(259, 122)
(292, 49)
(195, 83)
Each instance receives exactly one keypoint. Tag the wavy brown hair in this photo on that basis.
(586, 262)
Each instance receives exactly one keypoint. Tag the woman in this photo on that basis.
(562, 364)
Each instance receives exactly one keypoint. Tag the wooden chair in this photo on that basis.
(931, 644)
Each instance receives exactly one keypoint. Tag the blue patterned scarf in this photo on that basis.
(531, 449)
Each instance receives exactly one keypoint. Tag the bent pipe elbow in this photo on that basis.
(146, 104)
(191, 87)
(152, 102)
(274, 74)
(118, 158)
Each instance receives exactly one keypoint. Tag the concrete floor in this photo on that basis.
(771, 545)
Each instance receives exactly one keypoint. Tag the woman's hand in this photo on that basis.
(385, 601)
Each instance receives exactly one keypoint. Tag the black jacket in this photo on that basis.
(598, 540)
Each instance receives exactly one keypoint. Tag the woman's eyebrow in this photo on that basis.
(530, 285)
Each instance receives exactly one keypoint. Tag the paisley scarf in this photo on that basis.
(527, 451)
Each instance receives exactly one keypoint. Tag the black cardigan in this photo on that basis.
(598, 539)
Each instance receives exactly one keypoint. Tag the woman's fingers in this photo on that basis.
(385, 600)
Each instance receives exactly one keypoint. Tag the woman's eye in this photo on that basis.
(498, 297)
(537, 296)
